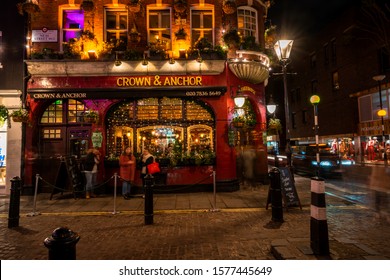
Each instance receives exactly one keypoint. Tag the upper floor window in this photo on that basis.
(334, 51)
(314, 86)
(247, 21)
(159, 28)
(116, 26)
(72, 24)
(202, 25)
(326, 54)
(313, 60)
(335, 81)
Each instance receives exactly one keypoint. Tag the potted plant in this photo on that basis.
(3, 114)
(274, 127)
(134, 6)
(181, 34)
(87, 5)
(232, 38)
(135, 36)
(91, 116)
(20, 115)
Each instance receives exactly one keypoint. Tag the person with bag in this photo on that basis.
(90, 169)
(147, 158)
(127, 171)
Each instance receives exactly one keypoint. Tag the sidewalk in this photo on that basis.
(189, 226)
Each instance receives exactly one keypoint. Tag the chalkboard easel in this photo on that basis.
(289, 192)
(69, 177)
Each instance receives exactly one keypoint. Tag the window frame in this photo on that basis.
(117, 30)
(61, 11)
(206, 8)
(255, 17)
(155, 9)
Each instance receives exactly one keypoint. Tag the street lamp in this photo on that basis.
(283, 49)
(271, 108)
(381, 113)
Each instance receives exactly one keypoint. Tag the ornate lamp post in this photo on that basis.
(283, 50)
(315, 99)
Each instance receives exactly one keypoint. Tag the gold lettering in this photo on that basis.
(199, 81)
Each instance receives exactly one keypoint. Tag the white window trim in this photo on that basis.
(256, 18)
(120, 8)
(154, 7)
(61, 9)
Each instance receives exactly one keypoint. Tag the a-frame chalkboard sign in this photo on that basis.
(289, 192)
(69, 177)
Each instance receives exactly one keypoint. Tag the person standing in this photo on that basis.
(147, 158)
(90, 169)
(127, 171)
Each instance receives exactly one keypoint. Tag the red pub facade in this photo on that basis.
(180, 104)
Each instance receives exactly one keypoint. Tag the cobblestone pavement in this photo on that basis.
(187, 226)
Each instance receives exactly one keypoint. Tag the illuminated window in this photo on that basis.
(147, 109)
(159, 29)
(116, 26)
(202, 25)
(53, 114)
(72, 24)
(171, 109)
(51, 133)
(247, 21)
(75, 111)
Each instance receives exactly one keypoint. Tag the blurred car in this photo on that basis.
(304, 159)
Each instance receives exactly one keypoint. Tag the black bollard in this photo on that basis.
(319, 240)
(149, 182)
(62, 244)
(14, 202)
(276, 195)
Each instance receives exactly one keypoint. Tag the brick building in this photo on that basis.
(161, 74)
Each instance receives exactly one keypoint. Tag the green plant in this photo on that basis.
(274, 127)
(3, 114)
(249, 43)
(91, 116)
(232, 38)
(20, 115)
(203, 44)
(181, 33)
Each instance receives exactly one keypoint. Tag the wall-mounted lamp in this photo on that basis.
(145, 62)
(271, 106)
(92, 54)
(239, 99)
(117, 62)
(199, 59)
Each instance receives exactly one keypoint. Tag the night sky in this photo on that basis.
(295, 17)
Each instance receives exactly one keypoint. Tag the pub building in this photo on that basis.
(180, 105)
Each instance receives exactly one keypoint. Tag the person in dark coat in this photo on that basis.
(90, 169)
(147, 158)
(127, 171)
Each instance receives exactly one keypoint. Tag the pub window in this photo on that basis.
(51, 133)
(247, 22)
(202, 25)
(76, 110)
(72, 24)
(116, 26)
(159, 124)
(159, 29)
(53, 113)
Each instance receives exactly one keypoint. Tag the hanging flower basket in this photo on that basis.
(3, 114)
(91, 116)
(134, 6)
(20, 115)
(180, 6)
(229, 7)
(87, 6)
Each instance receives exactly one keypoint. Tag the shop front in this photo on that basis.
(183, 117)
